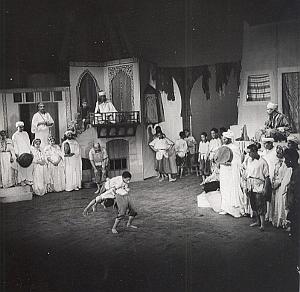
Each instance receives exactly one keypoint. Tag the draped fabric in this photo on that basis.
(290, 98)
(223, 71)
(186, 78)
(154, 112)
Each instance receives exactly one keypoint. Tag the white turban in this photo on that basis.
(19, 124)
(293, 138)
(265, 139)
(101, 93)
(272, 106)
(68, 132)
(229, 135)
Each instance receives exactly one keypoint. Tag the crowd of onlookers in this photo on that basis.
(260, 181)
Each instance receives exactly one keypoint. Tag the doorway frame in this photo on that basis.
(281, 71)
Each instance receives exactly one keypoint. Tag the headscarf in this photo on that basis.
(272, 106)
(19, 124)
(293, 138)
(228, 134)
(102, 93)
(35, 140)
(265, 140)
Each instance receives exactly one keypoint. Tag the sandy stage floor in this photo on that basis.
(47, 245)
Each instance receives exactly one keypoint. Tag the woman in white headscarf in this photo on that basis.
(40, 170)
(7, 161)
(73, 164)
(56, 167)
(233, 200)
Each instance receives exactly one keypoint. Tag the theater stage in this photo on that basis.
(47, 245)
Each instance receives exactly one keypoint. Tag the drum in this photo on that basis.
(25, 159)
(223, 154)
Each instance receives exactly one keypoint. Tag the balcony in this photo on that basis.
(117, 124)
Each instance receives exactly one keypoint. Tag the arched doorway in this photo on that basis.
(118, 153)
(87, 89)
(121, 92)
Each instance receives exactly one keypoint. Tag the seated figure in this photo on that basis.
(277, 125)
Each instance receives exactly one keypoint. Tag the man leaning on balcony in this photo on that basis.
(103, 105)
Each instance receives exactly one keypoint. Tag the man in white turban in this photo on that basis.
(233, 200)
(41, 124)
(103, 105)
(21, 144)
(277, 125)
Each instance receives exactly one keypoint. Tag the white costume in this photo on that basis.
(21, 144)
(233, 200)
(6, 166)
(41, 132)
(105, 107)
(40, 172)
(56, 172)
(73, 166)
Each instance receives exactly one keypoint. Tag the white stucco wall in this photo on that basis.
(267, 49)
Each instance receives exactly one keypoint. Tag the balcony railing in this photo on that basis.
(117, 124)
(115, 118)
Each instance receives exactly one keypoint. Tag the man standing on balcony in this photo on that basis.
(103, 105)
(41, 124)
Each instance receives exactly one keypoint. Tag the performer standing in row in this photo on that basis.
(7, 158)
(41, 124)
(21, 144)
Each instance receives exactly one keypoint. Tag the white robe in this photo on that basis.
(21, 144)
(73, 166)
(42, 131)
(40, 173)
(57, 179)
(282, 176)
(105, 107)
(7, 171)
(233, 200)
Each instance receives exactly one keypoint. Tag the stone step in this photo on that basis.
(15, 194)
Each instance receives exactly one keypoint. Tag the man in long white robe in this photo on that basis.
(73, 163)
(233, 200)
(41, 124)
(21, 144)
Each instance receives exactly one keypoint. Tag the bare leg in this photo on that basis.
(98, 189)
(262, 222)
(256, 222)
(268, 212)
(114, 228)
(130, 221)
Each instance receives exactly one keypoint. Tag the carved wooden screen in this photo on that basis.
(118, 154)
(88, 90)
(121, 92)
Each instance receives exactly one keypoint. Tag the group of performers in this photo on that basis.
(263, 183)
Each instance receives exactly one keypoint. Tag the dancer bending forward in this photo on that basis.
(117, 188)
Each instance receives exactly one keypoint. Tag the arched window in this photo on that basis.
(88, 89)
(121, 92)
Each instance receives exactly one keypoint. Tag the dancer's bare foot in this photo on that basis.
(85, 213)
(114, 231)
(94, 208)
(132, 226)
(254, 224)
(262, 228)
